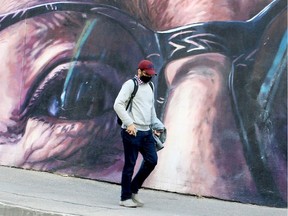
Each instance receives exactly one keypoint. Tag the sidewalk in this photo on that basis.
(24, 192)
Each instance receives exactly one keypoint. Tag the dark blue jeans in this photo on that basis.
(143, 143)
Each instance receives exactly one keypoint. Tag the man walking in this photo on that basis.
(136, 131)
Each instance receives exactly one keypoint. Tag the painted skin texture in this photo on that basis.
(203, 152)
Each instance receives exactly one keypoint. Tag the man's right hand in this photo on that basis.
(131, 129)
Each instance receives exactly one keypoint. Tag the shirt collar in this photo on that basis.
(138, 80)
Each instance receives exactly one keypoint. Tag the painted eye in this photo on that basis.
(86, 86)
(83, 92)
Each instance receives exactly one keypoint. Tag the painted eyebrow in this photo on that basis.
(56, 19)
(49, 25)
(11, 18)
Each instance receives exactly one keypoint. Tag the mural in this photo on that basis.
(221, 91)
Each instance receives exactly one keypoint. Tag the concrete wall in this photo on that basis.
(220, 90)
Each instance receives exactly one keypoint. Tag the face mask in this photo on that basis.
(145, 79)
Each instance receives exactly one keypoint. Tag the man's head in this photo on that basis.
(147, 67)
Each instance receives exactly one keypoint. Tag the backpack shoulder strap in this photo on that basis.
(134, 91)
(135, 87)
(151, 85)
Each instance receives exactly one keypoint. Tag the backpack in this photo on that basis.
(119, 121)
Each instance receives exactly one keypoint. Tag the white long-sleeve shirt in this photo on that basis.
(141, 111)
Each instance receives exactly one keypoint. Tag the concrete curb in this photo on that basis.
(8, 209)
